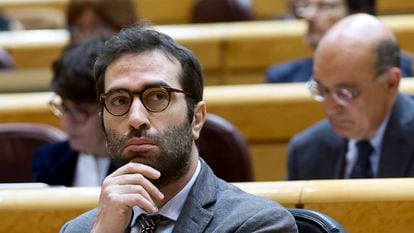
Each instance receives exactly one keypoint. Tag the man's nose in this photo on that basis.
(138, 115)
(330, 105)
(310, 13)
(68, 122)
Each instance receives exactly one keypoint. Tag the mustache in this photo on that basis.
(138, 133)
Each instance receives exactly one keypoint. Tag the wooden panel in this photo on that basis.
(267, 115)
(286, 193)
(29, 58)
(395, 6)
(18, 4)
(165, 11)
(156, 11)
(41, 221)
(269, 161)
(378, 217)
(34, 48)
(231, 53)
(350, 190)
(179, 11)
(267, 9)
(262, 111)
(361, 205)
(43, 210)
(371, 205)
(30, 80)
(257, 45)
(46, 210)
(28, 107)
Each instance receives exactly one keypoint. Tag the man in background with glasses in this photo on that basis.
(320, 15)
(83, 160)
(369, 129)
(151, 92)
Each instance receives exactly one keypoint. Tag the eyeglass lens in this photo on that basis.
(341, 95)
(58, 108)
(155, 99)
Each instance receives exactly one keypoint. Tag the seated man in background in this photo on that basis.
(320, 15)
(208, 11)
(369, 128)
(151, 91)
(82, 160)
(88, 19)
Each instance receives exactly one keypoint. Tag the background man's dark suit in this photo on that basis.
(300, 70)
(318, 153)
(55, 164)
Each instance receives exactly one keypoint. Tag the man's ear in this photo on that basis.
(393, 80)
(198, 119)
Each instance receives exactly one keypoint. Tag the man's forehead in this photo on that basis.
(145, 68)
(323, 1)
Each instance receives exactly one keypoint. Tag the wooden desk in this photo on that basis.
(157, 11)
(231, 53)
(376, 205)
(360, 205)
(46, 210)
(180, 11)
(25, 80)
(43, 210)
(267, 115)
(265, 9)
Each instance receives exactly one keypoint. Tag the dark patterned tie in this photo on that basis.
(362, 167)
(148, 223)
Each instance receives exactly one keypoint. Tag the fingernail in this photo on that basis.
(158, 174)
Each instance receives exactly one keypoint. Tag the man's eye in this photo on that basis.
(328, 6)
(345, 94)
(119, 101)
(157, 96)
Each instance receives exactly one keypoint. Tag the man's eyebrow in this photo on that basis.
(145, 86)
(338, 85)
(155, 84)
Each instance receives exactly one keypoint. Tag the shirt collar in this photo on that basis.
(172, 208)
(376, 143)
(376, 140)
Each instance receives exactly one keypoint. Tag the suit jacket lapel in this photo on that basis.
(337, 151)
(195, 214)
(336, 147)
(397, 147)
(66, 165)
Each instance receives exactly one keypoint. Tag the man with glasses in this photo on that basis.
(320, 15)
(151, 91)
(369, 128)
(83, 160)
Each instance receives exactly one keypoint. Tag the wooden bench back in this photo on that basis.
(370, 205)
(231, 53)
(267, 115)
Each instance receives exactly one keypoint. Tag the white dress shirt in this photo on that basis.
(90, 170)
(376, 142)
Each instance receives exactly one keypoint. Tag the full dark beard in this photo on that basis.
(173, 159)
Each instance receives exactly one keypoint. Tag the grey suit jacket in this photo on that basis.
(319, 153)
(215, 206)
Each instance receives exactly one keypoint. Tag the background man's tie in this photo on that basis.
(362, 167)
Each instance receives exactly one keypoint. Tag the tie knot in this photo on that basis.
(148, 223)
(364, 148)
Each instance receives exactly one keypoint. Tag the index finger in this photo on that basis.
(133, 168)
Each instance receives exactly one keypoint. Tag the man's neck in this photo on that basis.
(171, 189)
